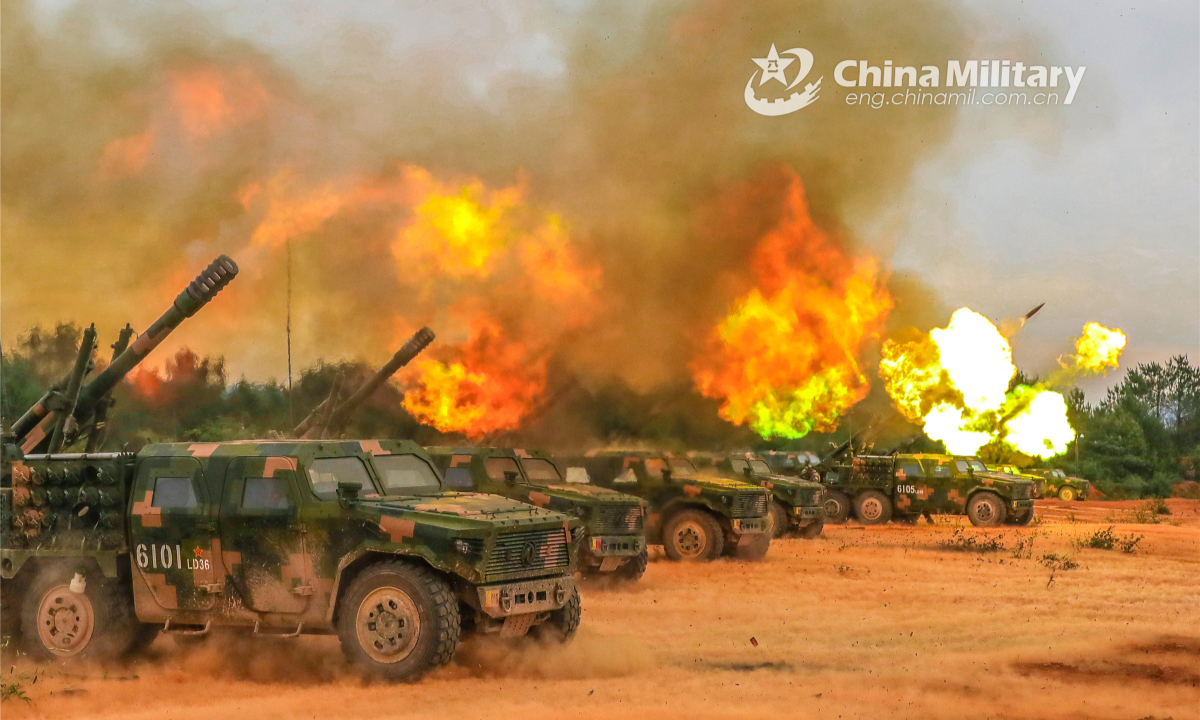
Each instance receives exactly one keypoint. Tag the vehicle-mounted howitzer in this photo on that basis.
(331, 417)
(861, 437)
(70, 407)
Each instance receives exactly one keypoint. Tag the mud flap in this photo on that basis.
(609, 564)
(517, 625)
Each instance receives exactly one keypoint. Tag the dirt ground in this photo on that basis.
(862, 623)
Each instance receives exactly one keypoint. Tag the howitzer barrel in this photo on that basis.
(32, 430)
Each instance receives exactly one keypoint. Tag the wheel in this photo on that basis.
(58, 623)
(808, 532)
(1067, 493)
(1023, 519)
(143, 638)
(693, 535)
(777, 519)
(906, 519)
(635, 568)
(985, 509)
(754, 550)
(398, 620)
(837, 507)
(563, 623)
(873, 508)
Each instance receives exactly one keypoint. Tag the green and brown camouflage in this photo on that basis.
(693, 516)
(796, 503)
(799, 463)
(1062, 486)
(1039, 483)
(614, 523)
(876, 488)
(270, 534)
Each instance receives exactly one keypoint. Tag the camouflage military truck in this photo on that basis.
(614, 526)
(792, 464)
(355, 538)
(1064, 487)
(1039, 483)
(694, 517)
(795, 503)
(875, 489)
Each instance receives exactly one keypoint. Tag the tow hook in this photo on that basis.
(560, 594)
(506, 600)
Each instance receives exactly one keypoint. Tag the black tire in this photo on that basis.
(837, 507)
(778, 519)
(755, 549)
(1067, 493)
(377, 607)
(813, 530)
(58, 624)
(986, 509)
(906, 519)
(143, 638)
(693, 536)
(635, 568)
(563, 623)
(1021, 520)
(872, 508)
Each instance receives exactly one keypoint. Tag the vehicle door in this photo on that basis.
(173, 532)
(264, 540)
(459, 475)
(947, 495)
(912, 493)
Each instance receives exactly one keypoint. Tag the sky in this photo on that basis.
(1093, 209)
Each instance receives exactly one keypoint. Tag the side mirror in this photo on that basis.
(666, 475)
(347, 492)
(747, 471)
(510, 477)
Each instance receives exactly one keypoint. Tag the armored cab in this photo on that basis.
(1057, 483)
(795, 502)
(614, 523)
(694, 517)
(876, 488)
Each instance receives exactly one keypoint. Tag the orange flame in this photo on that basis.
(785, 359)
(210, 100)
(490, 387)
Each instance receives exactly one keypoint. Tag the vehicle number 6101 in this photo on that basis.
(166, 557)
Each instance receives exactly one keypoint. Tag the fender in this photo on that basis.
(12, 560)
(387, 549)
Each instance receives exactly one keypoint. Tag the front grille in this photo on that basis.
(809, 497)
(526, 554)
(618, 518)
(749, 504)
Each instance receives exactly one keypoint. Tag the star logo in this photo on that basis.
(773, 66)
(199, 552)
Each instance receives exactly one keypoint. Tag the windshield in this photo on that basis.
(403, 474)
(497, 466)
(760, 467)
(655, 467)
(681, 464)
(976, 465)
(540, 471)
(325, 473)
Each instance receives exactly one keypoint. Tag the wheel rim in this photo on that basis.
(388, 625)
(832, 507)
(1067, 494)
(984, 511)
(871, 509)
(66, 621)
(690, 540)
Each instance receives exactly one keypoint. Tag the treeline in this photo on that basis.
(1141, 440)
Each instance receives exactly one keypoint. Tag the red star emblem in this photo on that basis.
(199, 552)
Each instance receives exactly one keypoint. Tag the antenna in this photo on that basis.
(291, 419)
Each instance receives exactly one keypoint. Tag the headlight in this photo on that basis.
(462, 546)
(582, 511)
(577, 533)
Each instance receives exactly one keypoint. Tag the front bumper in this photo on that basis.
(1018, 505)
(809, 514)
(523, 598)
(600, 546)
(748, 526)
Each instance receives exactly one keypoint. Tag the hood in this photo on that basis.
(714, 481)
(468, 506)
(790, 482)
(992, 477)
(583, 491)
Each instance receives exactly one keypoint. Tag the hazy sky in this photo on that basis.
(1093, 209)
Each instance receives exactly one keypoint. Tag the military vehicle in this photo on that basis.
(795, 502)
(1064, 487)
(876, 488)
(694, 517)
(1039, 483)
(800, 463)
(614, 523)
(100, 551)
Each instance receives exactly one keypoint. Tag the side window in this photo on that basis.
(911, 470)
(263, 493)
(540, 470)
(627, 477)
(655, 467)
(497, 466)
(941, 470)
(960, 465)
(325, 474)
(174, 493)
(739, 466)
(459, 478)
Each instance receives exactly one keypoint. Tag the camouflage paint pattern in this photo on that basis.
(614, 523)
(740, 507)
(800, 498)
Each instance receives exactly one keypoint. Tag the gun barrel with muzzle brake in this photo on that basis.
(330, 418)
(861, 436)
(34, 429)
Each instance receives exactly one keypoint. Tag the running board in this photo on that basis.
(299, 627)
(203, 631)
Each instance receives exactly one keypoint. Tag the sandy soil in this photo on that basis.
(864, 622)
